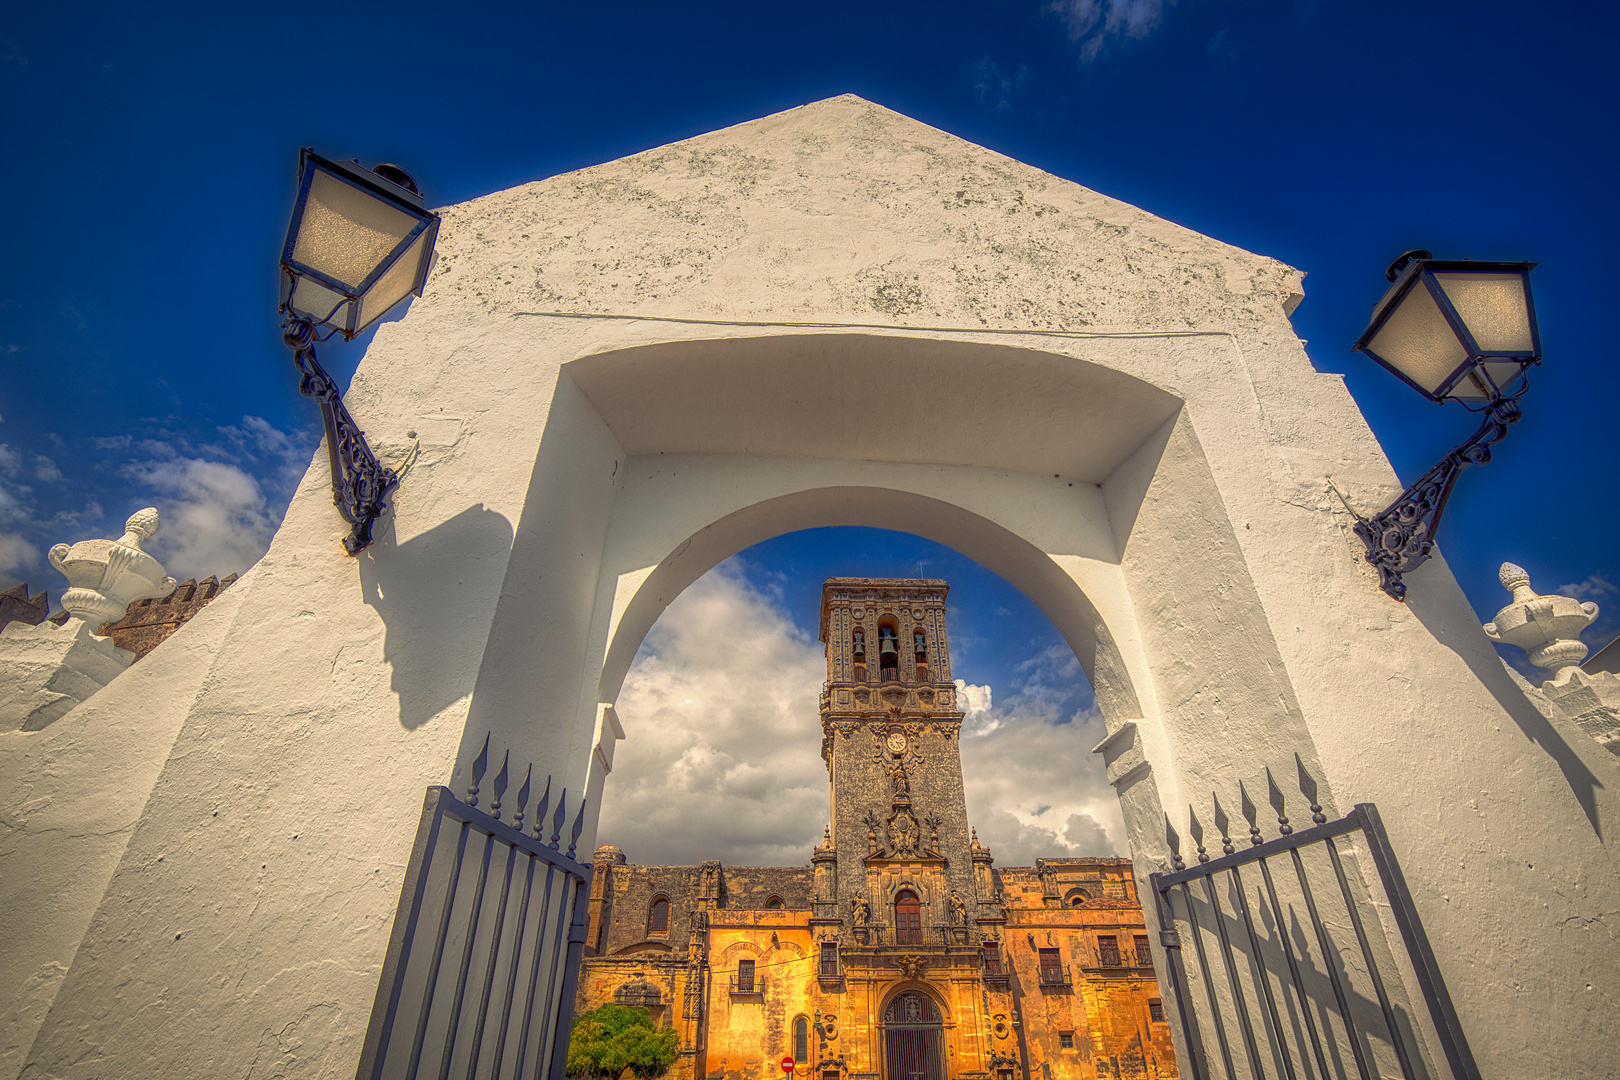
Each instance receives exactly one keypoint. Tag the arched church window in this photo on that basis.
(1079, 898)
(888, 654)
(658, 917)
(908, 918)
(774, 904)
(801, 1040)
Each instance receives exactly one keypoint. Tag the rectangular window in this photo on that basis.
(1051, 961)
(1108, 950)
(1144, 955)
(1066, 1040)
(830, 1074)
(992, 959)
(745, 976)
(829, 959)
(1156, 1010)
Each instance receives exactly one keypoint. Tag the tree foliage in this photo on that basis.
(610, 1039)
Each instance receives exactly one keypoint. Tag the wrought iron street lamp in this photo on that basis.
(359, 242)
(1454, 331)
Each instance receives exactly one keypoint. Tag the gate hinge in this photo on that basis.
(1170, 939)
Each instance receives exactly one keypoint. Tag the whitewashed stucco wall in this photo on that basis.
(243, 927)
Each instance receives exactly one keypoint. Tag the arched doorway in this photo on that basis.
(913, 1038)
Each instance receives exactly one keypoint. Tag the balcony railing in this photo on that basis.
(881, 936)
(755, 985)
(1054, 976)
(1144, 958)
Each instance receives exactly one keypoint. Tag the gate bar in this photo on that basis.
(1293, 972)
(1372, 967)
(1447, 1027)
(1170, 939)
(1330, 960)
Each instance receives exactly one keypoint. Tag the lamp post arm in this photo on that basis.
(1401, 538)
(360, 484)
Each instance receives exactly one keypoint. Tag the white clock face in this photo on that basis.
(897, 743)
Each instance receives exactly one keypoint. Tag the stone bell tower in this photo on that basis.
(890, 726)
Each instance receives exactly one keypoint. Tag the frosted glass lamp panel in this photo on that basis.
(313, 301)
(397, 282)
(1494, 308)
(1417, 340)
(345, 231)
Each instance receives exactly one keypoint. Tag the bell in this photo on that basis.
(886, 647)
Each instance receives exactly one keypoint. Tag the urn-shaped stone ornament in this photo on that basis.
(106, 576)
(1548, 628)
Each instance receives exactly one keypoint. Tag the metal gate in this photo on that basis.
(1276, 948)
(481, 968)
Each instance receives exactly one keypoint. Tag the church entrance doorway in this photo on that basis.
(913, 1039)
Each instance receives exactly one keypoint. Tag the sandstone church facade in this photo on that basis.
(901, 952)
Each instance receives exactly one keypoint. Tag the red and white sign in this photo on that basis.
(787, 1065)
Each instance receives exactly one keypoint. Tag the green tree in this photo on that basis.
(608, 1040)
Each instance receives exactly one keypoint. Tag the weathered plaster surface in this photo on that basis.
(1218, 587)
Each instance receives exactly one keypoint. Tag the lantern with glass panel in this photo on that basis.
(1453, 330)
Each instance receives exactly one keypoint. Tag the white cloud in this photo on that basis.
(1594, 587)
(215, 518)
(17, 556)
(722, 758)
(1093, 24)
(1035, 790)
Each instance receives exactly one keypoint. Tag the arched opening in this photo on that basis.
(913, 1047)
(1028, 505)
(658, 917)
(801, 1041)
(725, 748)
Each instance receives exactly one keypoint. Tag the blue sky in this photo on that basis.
(150, 155)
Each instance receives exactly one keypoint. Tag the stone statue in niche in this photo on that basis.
(860, 912)
(899, 782)
(958, 909)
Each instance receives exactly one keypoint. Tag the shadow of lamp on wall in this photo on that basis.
(359, 242)
(1453, 330)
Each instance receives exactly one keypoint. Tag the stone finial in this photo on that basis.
(1547, 628)
(141, 527)
(106, 576)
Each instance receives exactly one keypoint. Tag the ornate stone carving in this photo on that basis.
(872, 823)
(49, 669)
(958, 909)
(106, 576)
(912, 966)
(902, 828)
(1548, 628)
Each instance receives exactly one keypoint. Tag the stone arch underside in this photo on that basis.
(807, 412)
(1024, 566)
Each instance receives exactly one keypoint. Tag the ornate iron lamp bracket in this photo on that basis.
(1401, 538)
(360, 485)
